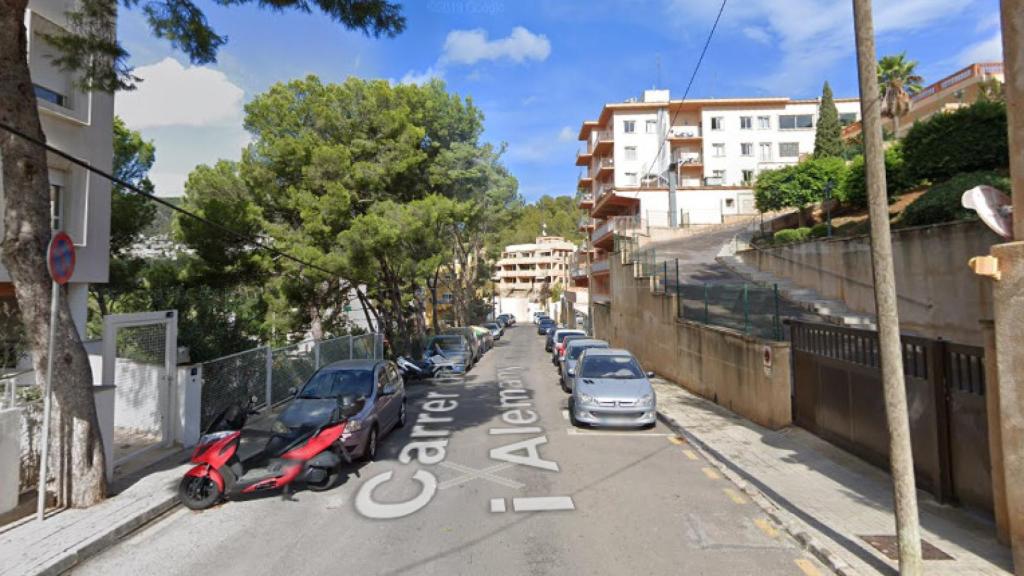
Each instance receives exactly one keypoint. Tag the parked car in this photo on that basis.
(474, 341)
(538, 315)
(374, 383)
(558, 342)
(512, 319)
(543, 324)
(611, 389)
(550, 332)
(484, 334)
(573, 350)
(502, 320)
(451, 348)
(496, 330)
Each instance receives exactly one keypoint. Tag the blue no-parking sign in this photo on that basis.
(61, 258)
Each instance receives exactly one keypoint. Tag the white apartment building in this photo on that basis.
(718, 146)
(81, 124)
(525, 270)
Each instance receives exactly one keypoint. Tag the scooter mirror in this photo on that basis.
(254, 399)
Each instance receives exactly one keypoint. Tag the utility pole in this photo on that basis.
(900, 457)
(673, 210)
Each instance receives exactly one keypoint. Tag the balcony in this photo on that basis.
(603, 234)
(600, 266)
(603, 142)
(586, 224)
(714, 181)
(586, 201)
(684, 134)
(585, 181)
(583, 157)
(605, 167)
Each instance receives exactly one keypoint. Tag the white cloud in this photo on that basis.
(567, 134)
(757, 34)
(988, 50)
(175, 95)
(413, 77)
(811, 35)
(472, 46)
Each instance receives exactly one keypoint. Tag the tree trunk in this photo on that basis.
(433, 301)
(78, 447)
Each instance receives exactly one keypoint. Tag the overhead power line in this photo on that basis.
(247, 238)
(693, 76)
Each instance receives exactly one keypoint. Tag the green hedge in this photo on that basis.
(854, 191)
(966, 140)
(791, 235)
(941, 203)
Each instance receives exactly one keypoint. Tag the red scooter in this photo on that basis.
(314, 456)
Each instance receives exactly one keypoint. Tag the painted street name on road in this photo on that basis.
(429, 445)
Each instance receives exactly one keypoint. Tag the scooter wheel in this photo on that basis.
(198, 492)
(328, 482)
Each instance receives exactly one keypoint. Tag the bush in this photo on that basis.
(941, 203)
(819, 230)
(791, 235)
(798, 186)
(854, 191)
(966, 140)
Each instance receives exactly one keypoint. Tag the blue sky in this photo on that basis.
(536, 69)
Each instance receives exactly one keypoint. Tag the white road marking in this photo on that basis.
(520, 430)
(470, 474)
(497, 504)
(543, 504)
(577, 432)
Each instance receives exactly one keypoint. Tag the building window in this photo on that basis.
(717, 122)
(789, 149)
(652, 126)
(765, 152)
(630, 152)
(746, 122)
(847, 118)
(729, 202)
(718, 150)
(51, 96)
(764, 122)
(629, 126)
(630, 178)
(795, 121)
(57, 207)
(747, 149)
(748, 176)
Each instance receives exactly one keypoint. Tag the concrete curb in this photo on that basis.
(69, 558)
(787, 521)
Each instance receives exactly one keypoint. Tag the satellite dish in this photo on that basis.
(993, 206)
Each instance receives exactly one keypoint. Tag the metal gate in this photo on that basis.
(139, 361)
(837, 395)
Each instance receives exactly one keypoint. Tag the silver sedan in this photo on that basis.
(610, 389)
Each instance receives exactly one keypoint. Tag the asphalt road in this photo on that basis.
(640, 502)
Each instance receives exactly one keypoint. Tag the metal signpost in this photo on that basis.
(60, 259)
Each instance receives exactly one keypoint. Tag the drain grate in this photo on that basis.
(889, 546)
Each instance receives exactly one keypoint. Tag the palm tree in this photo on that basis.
(898, 82)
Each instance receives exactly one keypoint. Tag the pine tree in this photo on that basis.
(828, 141)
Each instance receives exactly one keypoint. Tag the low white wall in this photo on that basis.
(10, 458)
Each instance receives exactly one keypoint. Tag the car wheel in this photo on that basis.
(370, 450)
(401, 415)
(565, 388)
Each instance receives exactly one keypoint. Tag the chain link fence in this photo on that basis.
(270, 374)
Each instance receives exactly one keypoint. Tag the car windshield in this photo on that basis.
(616, 367)
(447, 344)
(338, 383)
(562, 336)
(575, 351)
(492, 326)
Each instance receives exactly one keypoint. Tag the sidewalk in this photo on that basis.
(29, 547)
(827, 498)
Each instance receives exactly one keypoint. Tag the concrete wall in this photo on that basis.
(939, 296)
(719, 364)
(10, 458)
